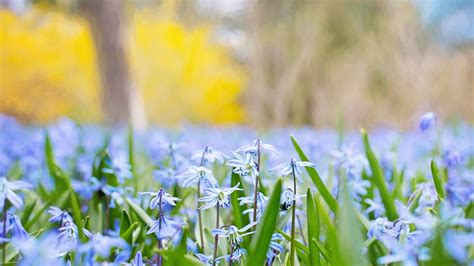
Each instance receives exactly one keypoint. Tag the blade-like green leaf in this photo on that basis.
(378, 179)
(144, 217)
(323, 251)
(265, 228)
(27, 212)
(76, 212)
(61, 180)
(298, 244)
(125, 225)
(318, 182)
(313, 228)
(240, 220)
(437, 180)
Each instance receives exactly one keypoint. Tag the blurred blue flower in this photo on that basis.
(275, 248)
(120, 167)
(427, 121)
(292, 166)
(160, 196)
(7, 192)
(194, 174)
(252, 148)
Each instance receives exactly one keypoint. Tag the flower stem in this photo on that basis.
(159, 261)
(201, 234)
(256, 186)
(231, 254)
(216, 238)
(293, 217)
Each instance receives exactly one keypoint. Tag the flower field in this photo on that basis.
(75, 194)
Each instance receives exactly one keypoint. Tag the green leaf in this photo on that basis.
(27, 212)
(61, 180)
(437, 180)
(350, 241)
(125, 221)
(328, 198)
(76, 213)
(144, 217)
(265, 228)
(37, 216)
(378, 179)
(298, 244)
(313, 228)
(323, 251)
(240, 220)
(127, 234)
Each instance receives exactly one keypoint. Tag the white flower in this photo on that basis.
(7, 192)
(292, 167)
(195, 173)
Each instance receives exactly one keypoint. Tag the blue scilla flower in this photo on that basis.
(427, 121)
(7, 192)
(233, 234)
(382, 227)
(120, 167)
(404, 253)
(160, 196)
(38, 251)
(275, 248)
(292, 166)
(253, 148)
(287, 199)
(352, 162)
(138, 260)
(207, 259)
(101, 245)
(218, 196)
(244, 166)
(261, 203)
(457, 244)
(58, 215)
(194, 174)
(460, 188)
(165, 228)
(15, 227)
(209, 155)
(375, 206)
(238, 254)
(452, 158)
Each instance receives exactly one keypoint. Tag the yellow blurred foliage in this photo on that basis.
(48, 69)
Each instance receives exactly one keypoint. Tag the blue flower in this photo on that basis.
(245, 167)
(138, 260)
(216, 196)
(209, 155)
(169, 228)
(58, 215)
(38, 251)
(160, 196)
(101, 245)
(194, 174)
(120, 167)
(233, 234)
(261, 203)
(16, 228)
(7, 192)
(206, 259)
(292, 166)
(452, 158)
(457, 244)
(252, 148)
(275, 248)
(427, 121)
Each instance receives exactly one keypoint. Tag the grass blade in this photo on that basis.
(378, 179)
(261, 242)
(437, 180)
(144, 217)
(240, 220)
(328, 198)
(313, 228)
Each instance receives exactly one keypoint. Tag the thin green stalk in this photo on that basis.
(231, 253)
(201, 234)
(216, 238)
(293, 217)
(256, 186)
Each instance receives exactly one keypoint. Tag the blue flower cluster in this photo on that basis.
(74, 194)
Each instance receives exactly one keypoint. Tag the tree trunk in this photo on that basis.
(106, 19)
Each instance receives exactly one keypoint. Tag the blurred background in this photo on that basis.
(268, 63)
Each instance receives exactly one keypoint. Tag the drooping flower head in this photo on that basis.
(160, 196)
(246, 167)
(7, 192)
(292, 167)
(427, 121)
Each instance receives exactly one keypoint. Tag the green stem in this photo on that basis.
(293, 217)
(216, 238)
(160, 216)
(201, 234)
(256, 186)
